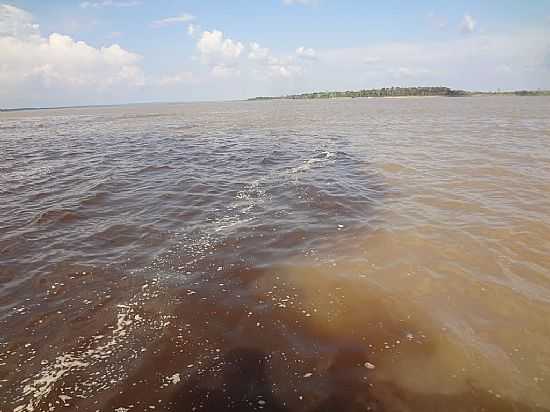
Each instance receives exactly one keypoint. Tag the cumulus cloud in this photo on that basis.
(57, 64)
(268, 66)
(214, 47)
(109, 3)
(15, 22)
(184, 18)
(59, 59)
(229, 58)
(258, 53)
(275, 67)
(468, 24)
(305, 53)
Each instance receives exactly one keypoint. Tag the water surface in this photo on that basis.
(365, 254)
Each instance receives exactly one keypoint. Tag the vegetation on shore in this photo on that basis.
(383, 92)
(403, 92)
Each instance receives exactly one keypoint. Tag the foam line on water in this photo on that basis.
(102, 351)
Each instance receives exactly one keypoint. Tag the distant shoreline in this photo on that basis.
(401, 93)
(387, 93)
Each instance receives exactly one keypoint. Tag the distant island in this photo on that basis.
(404, 92)
(383, 92)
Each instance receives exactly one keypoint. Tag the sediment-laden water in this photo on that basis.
(365, 254)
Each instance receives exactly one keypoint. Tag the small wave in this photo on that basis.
(154, 168)
(321, 157)
(56, 215)
(115, 235)
(94, 199)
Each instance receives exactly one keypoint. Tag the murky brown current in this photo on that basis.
(366, 254)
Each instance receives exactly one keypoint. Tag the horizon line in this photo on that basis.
(281, 97)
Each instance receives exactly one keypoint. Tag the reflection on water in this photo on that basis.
(284, 256)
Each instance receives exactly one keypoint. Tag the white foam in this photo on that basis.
(46, 379)
(108, 346)
(323, 157)
(174, 379)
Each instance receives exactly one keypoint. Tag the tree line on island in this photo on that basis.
(383, 92)
(402, 92)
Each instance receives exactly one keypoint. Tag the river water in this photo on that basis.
(362, 254)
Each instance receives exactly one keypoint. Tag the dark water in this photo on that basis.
(351, 254)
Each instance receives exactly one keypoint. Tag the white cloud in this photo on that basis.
(177, 78)
(286, 71)
(304, 53)
(184, 18)
(60, 60)
(32, 65)
(214, 47)
(268, 66)
(467, 62)
(258, 53)
(109, 3)
(224, 71)
(229, 58)
(15, 22)
(468, 24)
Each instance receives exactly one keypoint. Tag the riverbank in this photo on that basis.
(403, 92)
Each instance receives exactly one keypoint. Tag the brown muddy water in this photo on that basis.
(366, 254)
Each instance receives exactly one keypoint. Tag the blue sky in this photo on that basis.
(61, 52)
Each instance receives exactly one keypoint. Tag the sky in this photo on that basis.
(76, 52)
